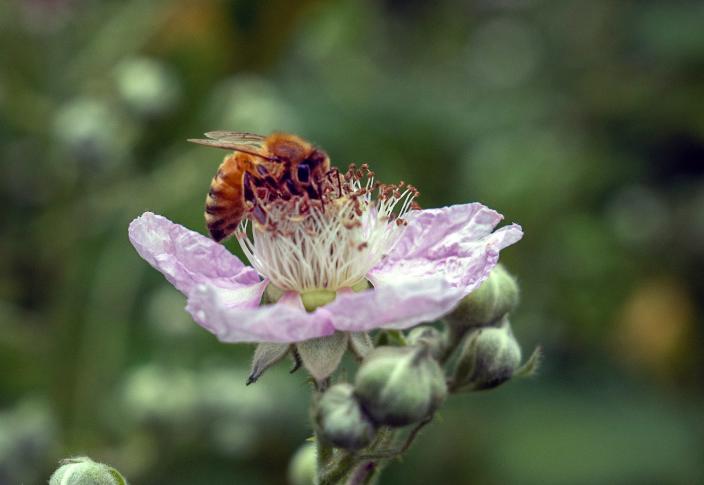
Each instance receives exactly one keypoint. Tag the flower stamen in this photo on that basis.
(328, 237)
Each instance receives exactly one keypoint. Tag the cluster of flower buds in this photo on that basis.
(84, 471)
(404, 380)
(394, 386)
(479, 332)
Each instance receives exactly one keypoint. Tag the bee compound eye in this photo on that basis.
(303, 173)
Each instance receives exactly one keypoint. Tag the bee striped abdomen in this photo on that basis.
(224, 205)
(262, 172)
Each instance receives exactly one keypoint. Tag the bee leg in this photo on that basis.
(331, 175)
(249, 188)
(272, 184)
(313, 191)
(292, 187)
(259, 214)
(266, 180)
(252, 197)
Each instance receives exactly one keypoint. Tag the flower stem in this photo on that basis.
(348, 467)
(393, 453)
(337, 470)
(362, 469)
(324, 453)
(324, 450)
(453, 338)
(364, 474)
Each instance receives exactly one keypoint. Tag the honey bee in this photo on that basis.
(260, 169)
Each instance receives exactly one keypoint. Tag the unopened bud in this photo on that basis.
(342, 420)
(487, 359)
(303, 465)
(494, 298)
(84, 471)
(400, 385)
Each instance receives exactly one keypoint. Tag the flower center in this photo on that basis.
(328, 238)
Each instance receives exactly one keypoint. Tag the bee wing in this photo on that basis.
(236, 141)
(239, 137)
(227, 145)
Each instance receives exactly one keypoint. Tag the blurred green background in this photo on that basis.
(581, 120)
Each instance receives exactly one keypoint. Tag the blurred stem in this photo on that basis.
(391, 337)
(324, 450)
(336, 471)
(365, 473)
(396, 452)
(368, 470)
(454, 336)
(364, 469)
(346, 467)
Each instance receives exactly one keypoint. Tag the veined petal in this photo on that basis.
(284, 321)
(398, 306)
(455, 243)
(187, 258)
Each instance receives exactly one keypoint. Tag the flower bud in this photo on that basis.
(84, 471)
(400, 385)
(487, 359)
(303, 466)
(494, 298)
(342, 420)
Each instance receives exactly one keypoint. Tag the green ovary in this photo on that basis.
(313, 299)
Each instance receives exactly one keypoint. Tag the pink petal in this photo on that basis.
(284, 321)
(453, 242)
(443, 255)
(393, 306)
(187, 258)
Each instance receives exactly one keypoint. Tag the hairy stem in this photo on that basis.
(395, 452)
(364, 473)
(453, 338)
(337, 470)
(324, 450)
